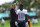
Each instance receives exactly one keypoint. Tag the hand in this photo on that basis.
(26, 24)
(16, 23)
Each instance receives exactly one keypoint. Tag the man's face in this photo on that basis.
(14, 5)
(21, 8)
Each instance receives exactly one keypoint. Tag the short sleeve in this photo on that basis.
(17, 11)
(25, 12)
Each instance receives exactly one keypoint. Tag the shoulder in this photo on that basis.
(11, 9)
(17, 11)
(25, 11)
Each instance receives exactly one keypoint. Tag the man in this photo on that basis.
(3, 22)
(34, 21)
(22, 17)
(13, 16)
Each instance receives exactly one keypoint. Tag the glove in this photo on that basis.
(26, 24)
(16, 23)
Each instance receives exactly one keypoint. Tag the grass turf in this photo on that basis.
(7, 24)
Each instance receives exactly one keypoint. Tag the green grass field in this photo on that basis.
(7, 24)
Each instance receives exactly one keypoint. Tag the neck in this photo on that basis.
(14, 8)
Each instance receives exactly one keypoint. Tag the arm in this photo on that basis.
(16, 17)
(26, 17)
(28, 20)
(16, 20)
(12, 12)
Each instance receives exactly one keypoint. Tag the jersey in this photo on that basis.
(21, 14)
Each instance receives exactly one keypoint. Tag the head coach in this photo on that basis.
(13, 15)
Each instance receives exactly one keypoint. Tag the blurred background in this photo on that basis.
(32, 6)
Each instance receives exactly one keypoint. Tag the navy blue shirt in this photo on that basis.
(13, 15)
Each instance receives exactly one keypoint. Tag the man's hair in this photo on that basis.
(14, 4)
(21, 5)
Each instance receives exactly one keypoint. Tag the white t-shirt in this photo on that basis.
(21, 14)
(34, 21)
(2, 20)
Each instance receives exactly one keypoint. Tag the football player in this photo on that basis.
(22, 17)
